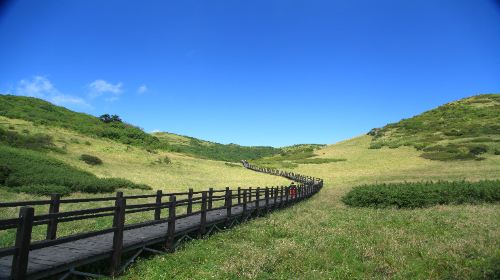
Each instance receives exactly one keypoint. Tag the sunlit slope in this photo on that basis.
(322, 238)
(139, 165)
(364, 165)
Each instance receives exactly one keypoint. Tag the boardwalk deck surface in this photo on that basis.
(59, 258)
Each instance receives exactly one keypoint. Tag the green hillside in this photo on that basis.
(461, 130)
(41, 112)
(211, 150)
(44, 113)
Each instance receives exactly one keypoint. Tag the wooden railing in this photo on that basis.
(164, 208)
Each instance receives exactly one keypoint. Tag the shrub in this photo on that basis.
(497, 152)
(478, 149)
(33, 142)
(88, 143)
(4, 174)
(35, 168)
(43, 189)
(376, 145)
(423, 194)
(89, 159)
(167, 160)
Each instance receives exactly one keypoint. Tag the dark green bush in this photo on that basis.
(423, 194)
(35, 168)
(167, 160)
(89, 159)
(43, 189)
(33, 142)
(478, 149)
(4, 174)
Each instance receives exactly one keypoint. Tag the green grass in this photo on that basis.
(449, 132)
(423, 194)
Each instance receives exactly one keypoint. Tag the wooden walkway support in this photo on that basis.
(61, 256)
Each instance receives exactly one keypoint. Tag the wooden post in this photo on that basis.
(210, 197)
(23, 239)
(54, 208)
(282, 200)
(118, 225)
(229, 204)
(275, 191)
(203, 214)
(239, 195)
(244, 203)
(257, 199)
(267, 198)
(250, 194)
(190, 201)
(159, 194)
(287, 194)
(170, 246)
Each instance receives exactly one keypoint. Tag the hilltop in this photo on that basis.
(460, 130)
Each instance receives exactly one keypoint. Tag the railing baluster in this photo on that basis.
(159, 195)
(257, 201)
(170, 245)
(244, 203)
(54, 208)
(118, 224)
(23, 239)
(229, 205)
(210, 198)
(267, 199)
(239, 195)
(203, 214)
(190, 201)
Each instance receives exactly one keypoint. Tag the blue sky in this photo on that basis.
(251, 72)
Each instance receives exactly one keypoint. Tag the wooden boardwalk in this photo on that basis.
(62, 256)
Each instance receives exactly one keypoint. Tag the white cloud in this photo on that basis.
(155, 130)
(142, 89)
(41, 87)
(102, 87)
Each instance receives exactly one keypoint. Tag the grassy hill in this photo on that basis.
(321, 238)
(460, 130)
(211, 150)
(41, 112)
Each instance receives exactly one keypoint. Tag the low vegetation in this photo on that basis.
(460, 130)
(210, 150)
(25, 140)
(35, 172)
(423, 194)
(91, 160)
(291, 157)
